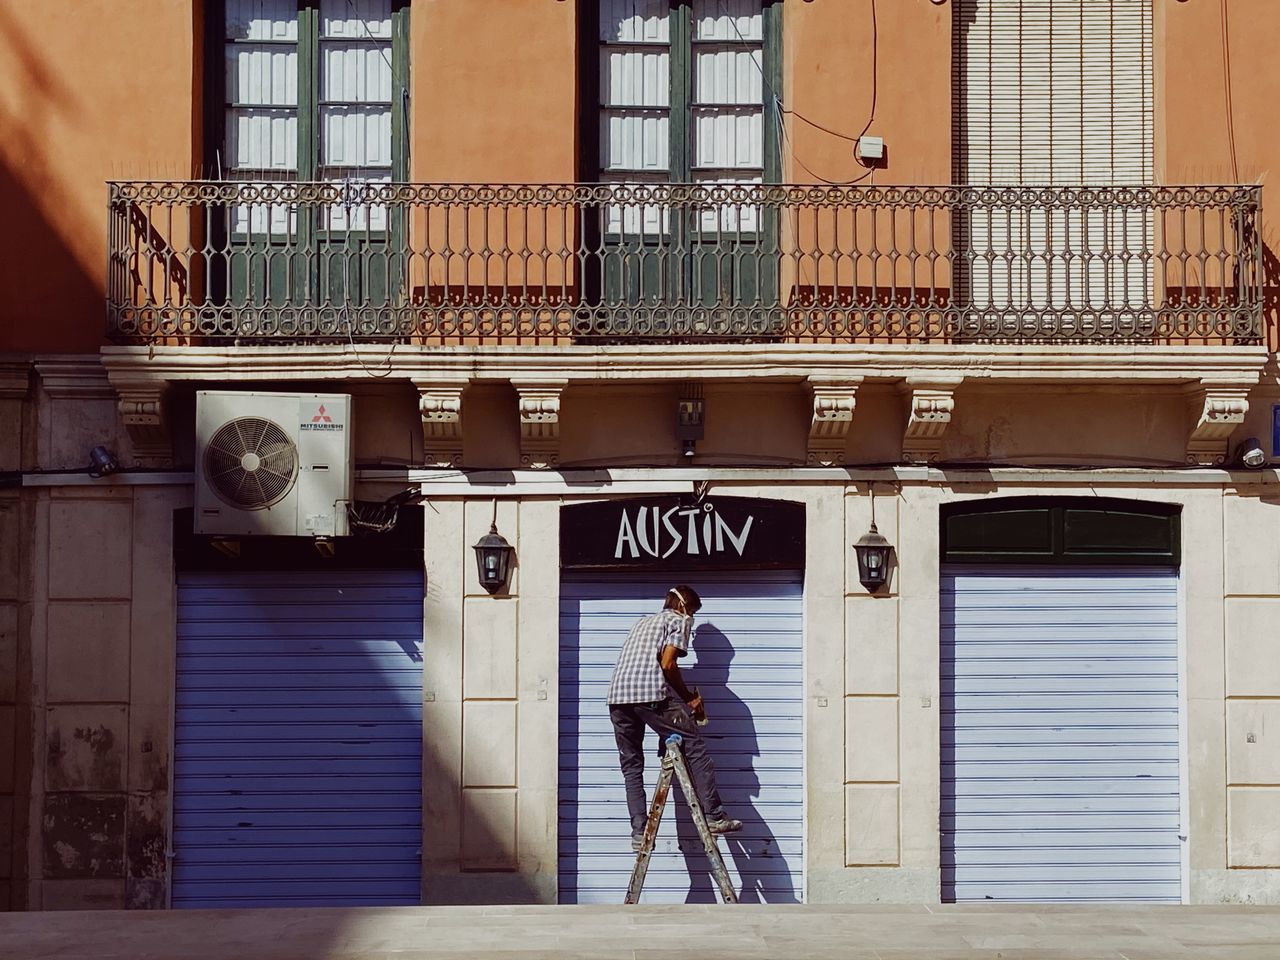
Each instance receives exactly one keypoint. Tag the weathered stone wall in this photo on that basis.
(101, 642)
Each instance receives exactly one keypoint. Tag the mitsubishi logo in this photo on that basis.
(322, 420)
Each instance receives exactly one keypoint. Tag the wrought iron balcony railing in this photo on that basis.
(249, 262)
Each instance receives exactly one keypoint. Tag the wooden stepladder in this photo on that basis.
(673, 765)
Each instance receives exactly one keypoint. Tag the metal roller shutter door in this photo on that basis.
(1060, 734)
(298, 739)
(747, 657)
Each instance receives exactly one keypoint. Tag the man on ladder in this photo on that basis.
(648, 690)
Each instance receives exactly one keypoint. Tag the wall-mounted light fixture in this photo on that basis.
(691, 416)
(873, 552)
(1251, 454)
(493, 557)
(102, 462)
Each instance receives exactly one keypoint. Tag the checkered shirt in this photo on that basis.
(638, 678)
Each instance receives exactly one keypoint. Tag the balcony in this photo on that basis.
(260, 264)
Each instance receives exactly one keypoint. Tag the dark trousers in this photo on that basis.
(665, 717)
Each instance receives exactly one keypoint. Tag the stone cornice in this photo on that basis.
(1066, 364)
(15, 379)
(601, 482)
(75, 376)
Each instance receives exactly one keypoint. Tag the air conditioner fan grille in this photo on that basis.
(251, 463)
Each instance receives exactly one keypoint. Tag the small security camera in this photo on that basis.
(102, 462)
(1251, 454)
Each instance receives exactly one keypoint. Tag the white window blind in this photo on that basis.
(352, 106)
(262, 105)
(1057, 93)
(728, 102)
(1054, 91)
(635, 106)
(355, 103)
(724, 117)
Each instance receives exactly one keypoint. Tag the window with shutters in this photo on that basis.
(306, 91)
(683, 93)
(1054, 93)
(309, 91)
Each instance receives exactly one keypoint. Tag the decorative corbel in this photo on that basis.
(1218, 410)
(141, 408)
(931, 405)
(441, 408)
(833, 405)
(539, 422)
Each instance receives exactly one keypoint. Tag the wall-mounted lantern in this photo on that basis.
(493, 559)
(873, 552)
(873, 558)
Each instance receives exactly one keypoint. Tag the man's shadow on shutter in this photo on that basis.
(758, 856)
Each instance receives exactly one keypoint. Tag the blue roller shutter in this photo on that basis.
(298, 739)
(1060, 737)
(747, 658)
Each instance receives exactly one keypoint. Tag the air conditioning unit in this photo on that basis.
(272, 464)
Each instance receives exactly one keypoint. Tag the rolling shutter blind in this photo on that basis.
(747, 655)
(298, 739)
(1054, 91)
(1058, 93)
(1060, 732)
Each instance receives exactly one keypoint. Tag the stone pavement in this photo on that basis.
(875, 932)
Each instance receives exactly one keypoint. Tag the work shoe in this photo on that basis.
(637, 840)
(724, 824)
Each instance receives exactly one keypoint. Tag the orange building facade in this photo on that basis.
(842, 254)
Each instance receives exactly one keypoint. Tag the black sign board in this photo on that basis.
(657, 533)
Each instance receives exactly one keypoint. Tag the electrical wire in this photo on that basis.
(364, 26)
(1226, 85)
(782, 109)
(404, 92)
(387, 361)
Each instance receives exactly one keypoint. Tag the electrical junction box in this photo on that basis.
(871, 148)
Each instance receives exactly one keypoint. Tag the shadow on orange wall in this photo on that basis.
(45, 293)
(1270, 298)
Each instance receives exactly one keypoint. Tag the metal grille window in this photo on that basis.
(1055, 93)
(310, 92)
